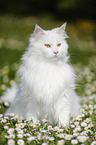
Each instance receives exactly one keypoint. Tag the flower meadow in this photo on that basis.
(82, 128)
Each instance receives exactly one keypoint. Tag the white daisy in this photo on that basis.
(27, 134)
(78, 128)
(93, 143)
(90, 125)
(91, 107)
(19, 135)
(72, 126)
(44, 120)
(83, 133)
(12, 114)
(39, 136)
(1, 115)
(22, 118)
(75, 134)
(20, 131)
(60, 130)
(82, 138)
(87, 120)
(61, 135)
(10, 130)
(56, 128)
(7, 114)
(20, 142)
(86, 128)
(45, 137)
(50, 127)
(16, 117)
(6, 117)
(88, 131)
(37, 121)
(76, 123)
(30, 118)
(44, 143)
(91, 112)
(82, 110)
(61, 142)
(82, 115)
(51, 138)
(17, 125)
(6, 127)
(83, 124)
(78, 118)
(31, 138)
(44, 131)
(22, 125)
(6, 136)
(68, 137)
(11, 142)
(30, 124)
(75, 131)
(74, 141)
(4, 120)
(12, 136)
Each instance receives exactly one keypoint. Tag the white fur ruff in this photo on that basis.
(46, 88)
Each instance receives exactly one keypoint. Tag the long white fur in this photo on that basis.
(47, 83)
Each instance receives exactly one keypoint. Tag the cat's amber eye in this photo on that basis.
(47, 45)
(59, 44)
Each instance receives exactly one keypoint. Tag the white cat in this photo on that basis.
(47, 83)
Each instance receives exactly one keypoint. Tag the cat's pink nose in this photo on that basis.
(56, 52)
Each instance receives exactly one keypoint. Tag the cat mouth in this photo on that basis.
(55, 55)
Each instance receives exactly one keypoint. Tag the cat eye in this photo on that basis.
(47, 45)
(59, 44)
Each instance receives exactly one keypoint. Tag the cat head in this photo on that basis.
(49, 45)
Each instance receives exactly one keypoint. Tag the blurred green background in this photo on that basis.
(17, 22)
(59, 9)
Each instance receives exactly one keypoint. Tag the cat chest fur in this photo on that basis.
(47, 82)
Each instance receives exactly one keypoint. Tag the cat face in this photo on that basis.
(50, 45)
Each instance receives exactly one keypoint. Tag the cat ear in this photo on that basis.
(61, 30)
(38, 31)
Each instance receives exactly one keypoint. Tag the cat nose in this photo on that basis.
(56, 52)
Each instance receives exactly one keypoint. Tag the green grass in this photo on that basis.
(14, 38)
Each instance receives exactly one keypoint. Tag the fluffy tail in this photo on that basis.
(9, 95)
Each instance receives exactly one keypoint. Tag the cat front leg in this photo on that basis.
(63, 117)
(63, 110)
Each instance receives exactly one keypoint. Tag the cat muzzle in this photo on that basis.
(56, 52)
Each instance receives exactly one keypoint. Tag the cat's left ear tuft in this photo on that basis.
(61, 30)
(38, 31)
